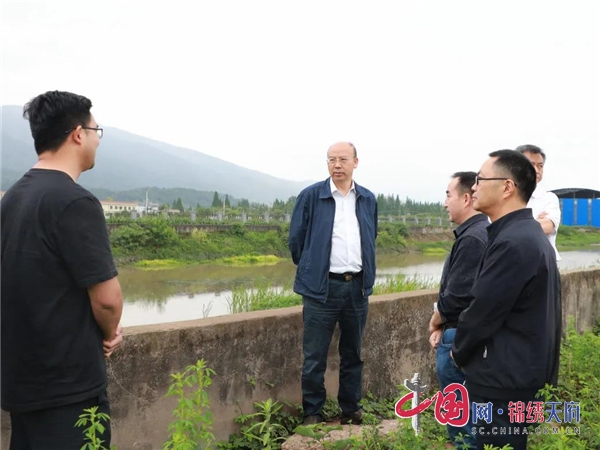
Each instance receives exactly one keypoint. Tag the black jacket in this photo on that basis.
(461, 267)
(508, 339)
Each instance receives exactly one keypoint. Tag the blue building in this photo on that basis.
(579, 207)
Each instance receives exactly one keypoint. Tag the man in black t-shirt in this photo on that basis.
(61, 299)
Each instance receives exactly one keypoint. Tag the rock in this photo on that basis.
(297, 442)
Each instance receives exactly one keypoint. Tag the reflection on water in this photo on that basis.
(176, 308)
(194, 292)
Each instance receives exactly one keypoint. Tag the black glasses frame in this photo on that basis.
(98, 130)
(478, 178)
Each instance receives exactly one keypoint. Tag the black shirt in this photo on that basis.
(508, 339)
(54, 246)
(461, 267)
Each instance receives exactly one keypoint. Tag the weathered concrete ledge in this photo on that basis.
(258, 355)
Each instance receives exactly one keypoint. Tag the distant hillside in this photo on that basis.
(126, 161)
(189, 197)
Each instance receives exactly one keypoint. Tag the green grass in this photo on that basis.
(156, 239)
(579, 381)
(262, 297)
(249, 260)
(400, 283)
(159, 264)
(433, 247)
(575, 237)
(435, 251)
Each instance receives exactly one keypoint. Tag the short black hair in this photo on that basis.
(52, 115)
(534, 149)
(519, 169)
(466, 180)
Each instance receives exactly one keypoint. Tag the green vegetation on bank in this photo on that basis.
(433, 247)
(574, 237)
(250, 260)
(262, 297)
(271, 297)
(158, 264)
(155, 238)
(152, 239)
(400, 283)
(275, 420)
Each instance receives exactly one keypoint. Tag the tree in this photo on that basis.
(216, 203)
(289, 205)
(178, 204)
(227, 204)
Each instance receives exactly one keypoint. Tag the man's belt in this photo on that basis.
(450, 324)
(347, 276)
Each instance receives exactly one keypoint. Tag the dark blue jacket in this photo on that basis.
(311, 231)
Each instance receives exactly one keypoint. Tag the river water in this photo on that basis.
(194, 292)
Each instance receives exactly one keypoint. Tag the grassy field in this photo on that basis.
(577, 237)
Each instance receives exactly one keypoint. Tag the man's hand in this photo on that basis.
(110, 346)
(546, 223)
(435, 338)
(435, 322)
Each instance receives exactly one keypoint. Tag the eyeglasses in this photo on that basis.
(343, 160)
(478, 179)
(98, 130)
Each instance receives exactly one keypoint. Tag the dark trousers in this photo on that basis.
(500, 431)
(345, 304)
(54, 428)
(448, 373)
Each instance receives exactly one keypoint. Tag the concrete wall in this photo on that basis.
(258, 355)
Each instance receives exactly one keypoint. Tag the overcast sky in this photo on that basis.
(422, 88)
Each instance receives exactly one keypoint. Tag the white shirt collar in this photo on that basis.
(335, 189)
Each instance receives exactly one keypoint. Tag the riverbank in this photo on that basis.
(569, 238)
(155, 244)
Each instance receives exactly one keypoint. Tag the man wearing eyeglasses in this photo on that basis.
(544, 205)
(508, 339)
(332, 241)
(61, 299)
